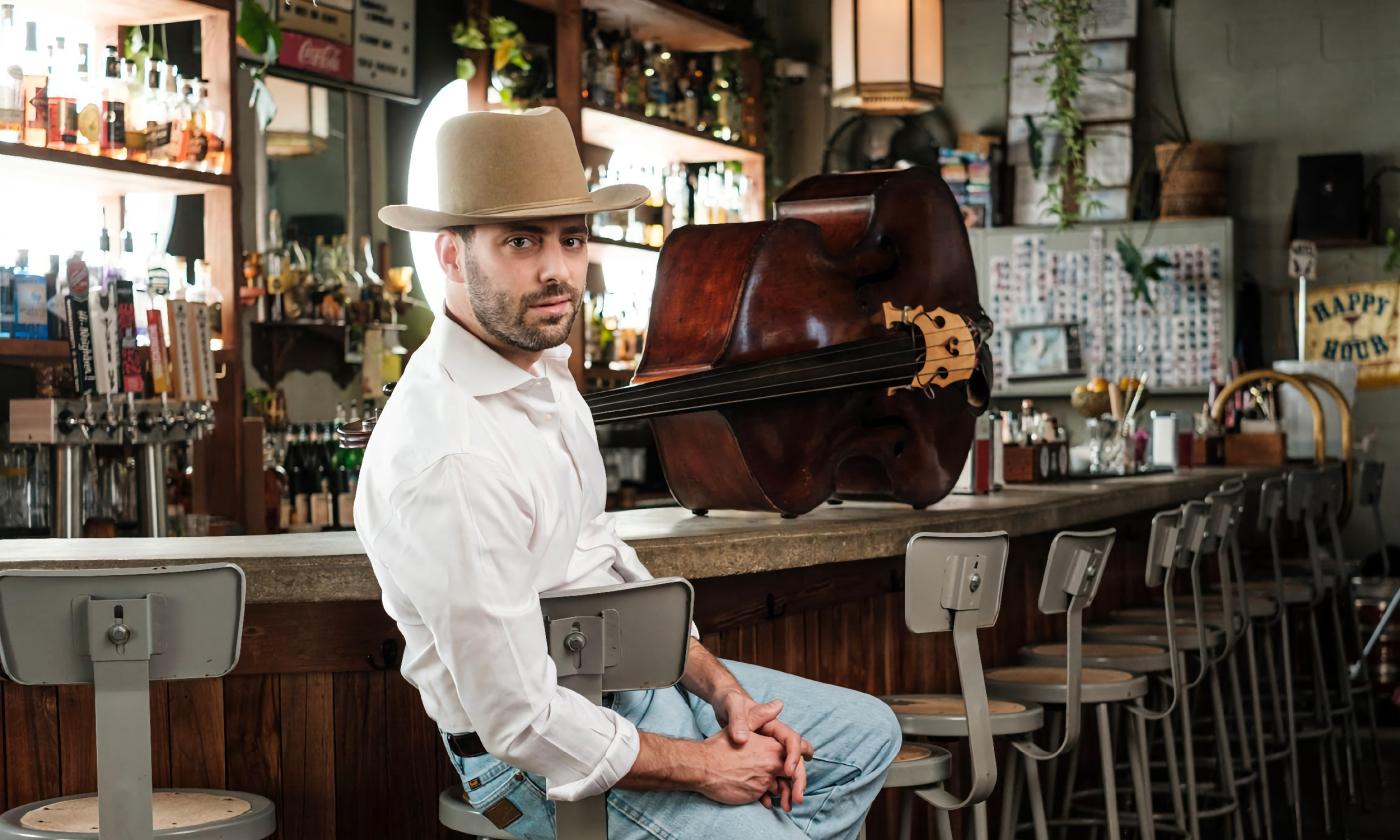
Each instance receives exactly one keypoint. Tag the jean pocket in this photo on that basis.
(515, 802)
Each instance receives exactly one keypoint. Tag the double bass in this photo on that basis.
(838, 351)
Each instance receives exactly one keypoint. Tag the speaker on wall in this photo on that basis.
(1330, 203)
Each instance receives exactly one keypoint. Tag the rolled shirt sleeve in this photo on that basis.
(458, 550)
(600, 535)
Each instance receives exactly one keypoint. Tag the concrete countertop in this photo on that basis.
(299, 568)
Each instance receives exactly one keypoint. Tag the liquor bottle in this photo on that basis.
(274, 489)
(7, 298)
(157, 113)
(111, 139)
(11, 78)
(88, 103)
(213, 123)
(372, 289)
(56, 292)
(719, 99)
(277, 267)
(649, 58)
(178, 94)
(62, 98)
(35, 88)
(141, 98)
(693, 91)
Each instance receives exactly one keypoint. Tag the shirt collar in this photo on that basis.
(475, 366)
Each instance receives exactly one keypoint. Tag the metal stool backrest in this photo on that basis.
(1223, 533)
(1073, 572)
(1334, 488)
(1304, 507)
(628, 637)
(1272, 502)
(1194, 539)
(1164, 557)
(118, 629)
(1370, 476)
(953, 582)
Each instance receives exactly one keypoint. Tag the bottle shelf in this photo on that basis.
(623, 130)
(53, 168)
(662, 21)
(23, 350)
(137, 12)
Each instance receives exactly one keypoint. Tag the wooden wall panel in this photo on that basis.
(361, 775)
(415, 752)
(307, 808)
(31, 744)
(77, 740)
(252, 727)
(160, 735)
(197, 734)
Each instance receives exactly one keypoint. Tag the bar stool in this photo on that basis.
(1073, 571)
(1164, 557)
(1206, 643)
(1369, 480)
(628, 637)
(954, 582)
(116, 630)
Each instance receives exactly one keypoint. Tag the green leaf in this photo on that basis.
(466, 68)
(1392, 259)
(468, 36)
(259, 31)
(501, 28)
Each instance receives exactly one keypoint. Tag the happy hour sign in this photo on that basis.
(1357, 323)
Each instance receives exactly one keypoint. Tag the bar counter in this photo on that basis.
(315, 717)
(314, 568)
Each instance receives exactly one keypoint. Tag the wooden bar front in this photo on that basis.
(312, 718)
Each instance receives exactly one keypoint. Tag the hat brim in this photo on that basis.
(607, 199)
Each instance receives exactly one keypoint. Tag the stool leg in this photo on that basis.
(1262, 786)
(1110, 785)
(945, 826)
(1241, 733)
(1036, 801)
(1351, 741)
(1010, 794)
(1173, 772)
(1227, 763)
(1142, 777)
(1324, 713)
(1275, 700)
(906, 814)
(979, 821)
(1290, 724)
(1193, 803)
(1067, 787)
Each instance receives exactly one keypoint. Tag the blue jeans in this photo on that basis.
(853, 735)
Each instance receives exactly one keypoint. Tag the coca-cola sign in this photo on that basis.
(317, 55)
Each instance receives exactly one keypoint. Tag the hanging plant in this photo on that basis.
(140, 48)
(1392, 255)
(1140, 270)
(505, 41)
(1066, 52)
(261, 35)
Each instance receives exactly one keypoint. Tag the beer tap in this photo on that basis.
(110, 421)
(167, 417)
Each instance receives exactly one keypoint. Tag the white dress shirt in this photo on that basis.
(481, 488)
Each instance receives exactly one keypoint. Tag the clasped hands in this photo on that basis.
(755, 756)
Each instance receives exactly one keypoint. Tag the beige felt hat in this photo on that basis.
(495, 167)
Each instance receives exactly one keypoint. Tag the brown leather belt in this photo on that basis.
(466, 745)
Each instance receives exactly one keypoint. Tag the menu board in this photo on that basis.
(368, 43)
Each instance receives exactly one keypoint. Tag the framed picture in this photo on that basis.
(1044, 351)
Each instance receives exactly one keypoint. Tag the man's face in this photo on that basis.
(524, 280)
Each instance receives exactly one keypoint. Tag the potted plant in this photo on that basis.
(519, 68)
(1192, 171)
(1065, 23)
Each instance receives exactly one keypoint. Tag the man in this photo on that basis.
(484, 487)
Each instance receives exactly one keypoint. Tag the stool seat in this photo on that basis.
(1046, 684)
(1296, 591)
(945, 715)
(919, 765)
(1145, 633)
(1256, 603)
(1140, 659)
(186, 813)
(456, 814)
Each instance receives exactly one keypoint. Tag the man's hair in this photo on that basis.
(464, 232)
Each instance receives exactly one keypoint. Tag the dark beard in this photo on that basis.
(506, 318)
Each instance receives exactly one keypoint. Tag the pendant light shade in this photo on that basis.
(302, 123)
(887, 55)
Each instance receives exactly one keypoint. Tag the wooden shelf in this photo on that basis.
(25, 350)
(42, 168)
(111, 13)
(624, 131)
(666, 22)
(601, 249)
